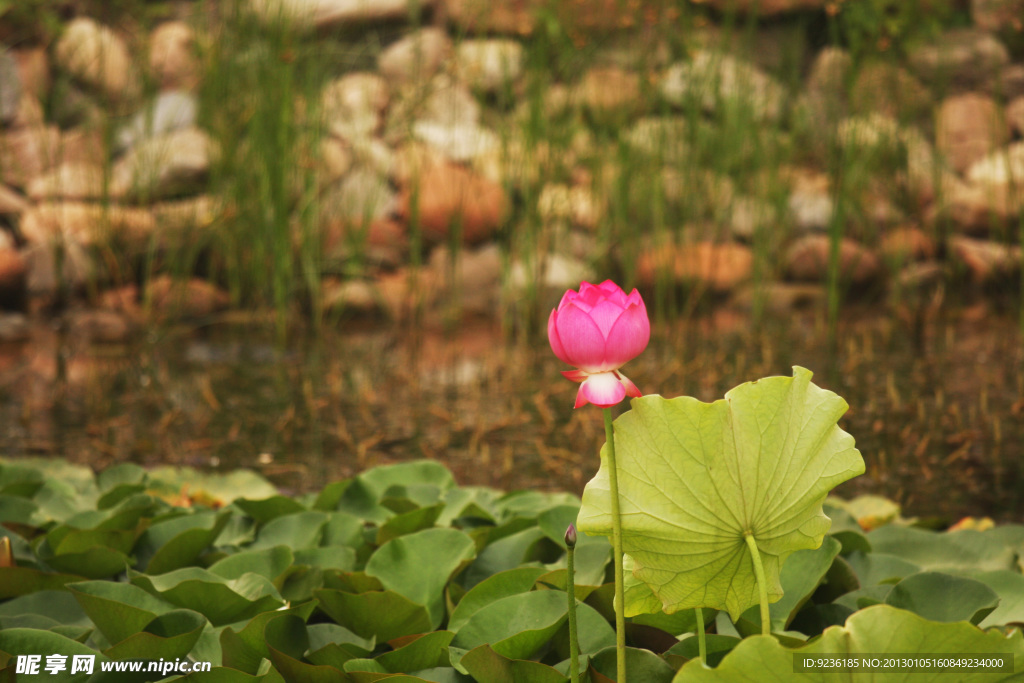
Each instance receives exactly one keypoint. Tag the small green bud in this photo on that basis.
(570, 536)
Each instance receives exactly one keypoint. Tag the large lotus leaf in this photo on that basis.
(211, 486)
(516, 626)
(873, 569)
(800, 576)
(642, 665)
(287, 642)
(269, 563)
(20, 641)
(491, 589)
(941, 597)
(118, 609)
(876, 631)
(696, 478)
(414, 520)
(177, 542)
(246, 649)
(383, 615)
(169, 636)
(949, 551)
(58, 605)
(507, 553)
(419, 565)
(424, 652)
(16, 581)
(333, 645)
(265, 509)
(1009, 586)
(487, 666)
(222, 601)
(297, 530)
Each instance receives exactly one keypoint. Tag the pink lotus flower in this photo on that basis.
(598, 330)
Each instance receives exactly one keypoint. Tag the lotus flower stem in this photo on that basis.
(570, 588)
(620, 593)
(702, 645)
(762, 588)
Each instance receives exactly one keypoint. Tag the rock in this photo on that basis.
(13, 278)
(714, 80)
(827, 86)
(766, 8)
(172, 56)
(34, 70)
(170, 111)
(963, 58)
(810, 201)
(335, 160)
(576, 205)
(383, 243)
(1002, 167)
(1015, 115)
(14, 327)
(987, 262)
(10, 86)
(323, 14)
(459, 142)
(69, 181)
(451, 196)
(416, 57)
(969, 127)
(664, 138)
(1009, 82)
(184, 216)
(994, 194)
(998, 15)
(719, 267)
(807, 260)
(489, 65)
(163, 166)
(352, 105)
(608, 90)
(30, 112)
(907, 244)
(557, 274)
(27, 152)
(474, 285)
(191, 299)
(77, 268)
(86, 224)
(890, 90)
(748, 216)
(494, 16)
(83, 146)
(449, 103)
(97, 57)
(361, 198)
(782, 298)
(412, 159)
(11, 203)
(101, 326)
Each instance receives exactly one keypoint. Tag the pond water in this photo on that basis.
(937, 415)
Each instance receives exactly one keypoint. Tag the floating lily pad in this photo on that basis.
(943, 551)
(516, 626)
(484, 664)
(383, 615)
(222, 601)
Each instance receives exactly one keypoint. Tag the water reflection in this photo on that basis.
(940, 431)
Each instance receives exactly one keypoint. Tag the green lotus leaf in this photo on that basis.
(419, 566)
(491, 589)
(19, 641)
(642, 665)
(119, 482)
(876, 630)
(949, 551)
(333, 645)
(287, 642)
(247, 648)
(265, 509)
(508, 553)
(696, 478)
(941, 597)
(222, 601)
(1009, 586)
(222, 488)
(168, 636)
(119, 610)
(269, 563)
(223, 674)
(800, 576)
(177, 542)
(874, 568)
(516, 626)
(384, 615)
(19, 510)
(297, 530)
(425, 652)
(484, 664)
(689, 648)
(17, 581)
(408, 522)
(593, 632)
(58, 605)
